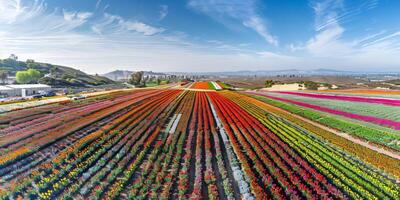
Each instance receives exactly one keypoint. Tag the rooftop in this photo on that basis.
(24, 86)
(2, 87)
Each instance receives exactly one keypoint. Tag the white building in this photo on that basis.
(23, 89)
(7, 91)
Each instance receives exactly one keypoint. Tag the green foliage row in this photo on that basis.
(211, 86)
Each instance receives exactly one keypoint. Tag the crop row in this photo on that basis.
(381, 161)
(356, 179)
(384, 101)
(25, 144)
(376, 110)
(273, 168)
(72, 165)
(185, 165)
(377, 136)
(371, 119)
(177, 144)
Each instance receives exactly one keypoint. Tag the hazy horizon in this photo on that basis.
(99, 36)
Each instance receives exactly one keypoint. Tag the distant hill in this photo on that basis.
(55, 75)
(119, 75)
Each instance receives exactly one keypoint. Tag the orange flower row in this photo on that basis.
(201, 85)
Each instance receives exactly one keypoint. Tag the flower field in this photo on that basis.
(367, 92)
(371, 121)
(210, 85)
(384, 101)
(202, 85)
(182, 144)
(361, 108)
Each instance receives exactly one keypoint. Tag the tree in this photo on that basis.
(311, 85)
(35, 74)
(13, 57)
(269, 83)
(30, 63)
(23, 77)
(53, 71)
(28, 76)
(3, 76)
(136, 78)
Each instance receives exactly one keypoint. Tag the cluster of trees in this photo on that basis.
(311, 85)
(270, 83)
(136, 78)
(139, 79)
(11, 66)
(3, 76)
(289, 76)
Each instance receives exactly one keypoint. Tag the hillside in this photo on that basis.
(55, 75)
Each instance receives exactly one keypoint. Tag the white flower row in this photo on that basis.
(238, 174)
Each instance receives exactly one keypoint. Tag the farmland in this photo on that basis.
(372, 119)
(210, 85)
(201, 142)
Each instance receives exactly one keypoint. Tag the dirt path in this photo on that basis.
(344, 135)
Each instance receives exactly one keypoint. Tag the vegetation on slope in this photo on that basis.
(54, 75)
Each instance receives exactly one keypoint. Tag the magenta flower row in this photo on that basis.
(385, 101)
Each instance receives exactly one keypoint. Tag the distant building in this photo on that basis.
(23, 89)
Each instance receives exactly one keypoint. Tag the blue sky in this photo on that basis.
(98, 36)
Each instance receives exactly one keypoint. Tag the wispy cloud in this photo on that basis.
(329, 18)
(277, 56)
(163, 11)
(256, 23)
(75, 19)
(380, 48)
(331, 12)
(244, 12)
(115, 24)
(14, 11)
(98, 3)
(33, 18)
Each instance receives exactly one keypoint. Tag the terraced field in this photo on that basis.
(187, 144)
